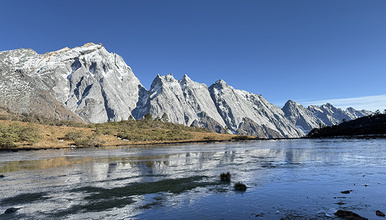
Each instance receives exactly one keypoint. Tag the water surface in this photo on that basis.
(289, 179)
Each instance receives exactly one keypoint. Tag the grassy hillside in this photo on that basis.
(31, 132)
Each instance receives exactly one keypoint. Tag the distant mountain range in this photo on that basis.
(369, 126)
(90, 84)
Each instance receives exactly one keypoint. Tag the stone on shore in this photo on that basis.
(349, 215)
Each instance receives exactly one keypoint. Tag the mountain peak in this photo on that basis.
(161, 80)
(97, 86)
(186, 77)
(328, 105)
(220, 83)
(88, 44)
(91, 44)
(291, 102)
(169, 77)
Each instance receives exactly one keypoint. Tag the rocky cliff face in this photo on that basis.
(249, 127)
(235, 105)
(354, 114)
(301, 117)
(319, 116)
(331, 115)
(21, 91)
(88, 83)
(184, 101)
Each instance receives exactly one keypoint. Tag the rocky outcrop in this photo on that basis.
(206, 121)
(24, 92)
(319, 116)
(86, 82)
(235, 105)
(331, 115)
(249, 127)
(301, 117)
(90, 84)
(184, 101)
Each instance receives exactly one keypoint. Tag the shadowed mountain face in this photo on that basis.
(88, 83)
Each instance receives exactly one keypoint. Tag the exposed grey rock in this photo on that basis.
(331, 115)
(22, 92)
(205, 121)
(301, 117)
(88, 83)
(249, 127)
(354, 114)
(319, 116)
(94, 84)
(184, 101)
(234, 105)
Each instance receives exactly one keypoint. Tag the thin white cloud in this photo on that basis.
(366, 102)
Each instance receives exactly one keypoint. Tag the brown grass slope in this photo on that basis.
(32, 132)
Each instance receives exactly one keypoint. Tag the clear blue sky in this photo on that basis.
(306, 50)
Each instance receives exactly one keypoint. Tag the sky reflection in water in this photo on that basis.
(286, 179)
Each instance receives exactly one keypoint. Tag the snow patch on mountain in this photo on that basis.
(301, 117)
(235, 105)
(183, 100)
(94, 85)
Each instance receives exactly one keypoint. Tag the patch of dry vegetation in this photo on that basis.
(48, 133)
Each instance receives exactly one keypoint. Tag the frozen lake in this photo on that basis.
(288, 179)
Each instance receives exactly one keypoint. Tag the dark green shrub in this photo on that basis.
(107, 128)
(18, 133)
(209, 138)
(7, 138)
(90, 141)
(74, 135)
(26, 133)
(240, 137)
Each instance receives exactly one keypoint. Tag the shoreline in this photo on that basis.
(131, 144)
(179, 142)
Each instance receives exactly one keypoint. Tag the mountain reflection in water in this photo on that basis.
(285, 179)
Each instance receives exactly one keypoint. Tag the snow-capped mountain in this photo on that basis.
(184, 101)
(354, 114)
(301, 117)
(319, 116)
(236, 105)
(23, 92)
(88, 83)
(331, 115)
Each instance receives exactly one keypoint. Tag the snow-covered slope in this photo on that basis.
(183, 100)
(331, 115)
(354, 114)
(318, 116)
(89, 83)
(235, 105)
(92, 83)
(301, 117)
